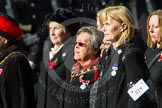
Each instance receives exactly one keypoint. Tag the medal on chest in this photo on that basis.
(114, 69)
(84, 84)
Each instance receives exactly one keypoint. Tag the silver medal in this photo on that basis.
(83, 86)
(113, 73)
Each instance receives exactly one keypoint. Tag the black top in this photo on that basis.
(16, 80)
(113, 87)
(155, 70)
(76, 96)
(50, 80)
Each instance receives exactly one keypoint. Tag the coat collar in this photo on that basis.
(8, 51)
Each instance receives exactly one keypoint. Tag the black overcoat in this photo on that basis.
(112, 88)
(50, 86)
(16, 80)
(155, 70)
(75, 96)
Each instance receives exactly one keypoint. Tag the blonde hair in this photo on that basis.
(159, 14)
(122, 15)
(100, 15)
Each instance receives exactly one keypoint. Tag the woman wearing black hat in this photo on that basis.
(16, 84)
(57, 58)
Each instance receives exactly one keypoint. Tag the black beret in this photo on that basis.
(62, 15)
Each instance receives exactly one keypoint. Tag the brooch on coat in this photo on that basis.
(160, 57)
(52, 64)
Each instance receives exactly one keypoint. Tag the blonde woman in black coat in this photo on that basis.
(125, 67)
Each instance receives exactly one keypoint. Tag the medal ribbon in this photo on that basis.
(115, 67)
(84, 81)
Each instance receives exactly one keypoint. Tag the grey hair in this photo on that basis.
(96, 36)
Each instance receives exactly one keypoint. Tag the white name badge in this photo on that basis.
(138, 89)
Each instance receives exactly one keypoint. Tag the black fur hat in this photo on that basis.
(61, 15)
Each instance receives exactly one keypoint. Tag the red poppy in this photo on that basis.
(52, 64)
(160, 58)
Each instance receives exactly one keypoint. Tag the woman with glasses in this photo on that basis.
(86, 69)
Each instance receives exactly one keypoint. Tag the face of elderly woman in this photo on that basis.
(154, 29)
(82, 50)
(57, 32)
(112, 29)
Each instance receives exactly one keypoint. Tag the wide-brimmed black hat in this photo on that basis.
(9, 28)
(61, 15)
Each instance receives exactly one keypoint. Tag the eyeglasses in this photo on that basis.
(81, 44)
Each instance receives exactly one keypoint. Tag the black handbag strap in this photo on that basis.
(153, 60)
